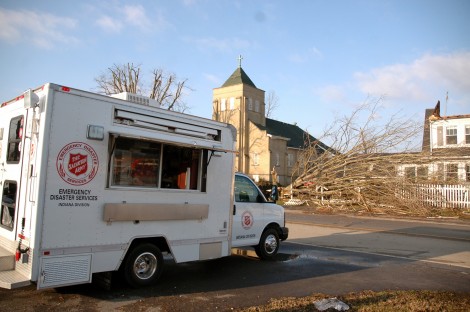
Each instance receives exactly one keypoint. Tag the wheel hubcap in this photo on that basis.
(145, 265)
(270, 244)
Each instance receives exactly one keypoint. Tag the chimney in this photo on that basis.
(427, 131)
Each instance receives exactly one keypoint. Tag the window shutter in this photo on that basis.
(440, 136)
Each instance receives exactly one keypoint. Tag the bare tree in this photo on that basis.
(165, 88)
(359, 169)
(272, 103)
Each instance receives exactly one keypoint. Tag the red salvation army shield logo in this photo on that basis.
(77, 163)
(247, 220)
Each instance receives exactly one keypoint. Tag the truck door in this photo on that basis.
(248, 220)
(10, 172)
(14, 163)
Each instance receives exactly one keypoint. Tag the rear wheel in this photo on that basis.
(143, 266)
(268, 244)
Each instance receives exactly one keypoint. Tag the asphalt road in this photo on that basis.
(324, 254)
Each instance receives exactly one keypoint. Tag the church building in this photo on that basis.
(268, 150)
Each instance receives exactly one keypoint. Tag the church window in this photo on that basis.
(222, 105)
(257, 106)
(232, 103)
(278, 163)
(255, 159)
(290, 160)
(250, 104)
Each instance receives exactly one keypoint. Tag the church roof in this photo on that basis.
(298, 138)
(238, 77)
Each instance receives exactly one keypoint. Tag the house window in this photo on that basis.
(250, 104)
(222, 105)
(467, 134)
(232, 103)
(8, 208)
(451, 135)
(290, 160)
(257, 106)
(410, 173)
(422, 173)
(467, 172)
(15, 135)
(452, 172)
(440, 172)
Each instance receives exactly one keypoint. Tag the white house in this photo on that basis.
(445, 151)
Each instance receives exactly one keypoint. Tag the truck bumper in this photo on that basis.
(284, 233)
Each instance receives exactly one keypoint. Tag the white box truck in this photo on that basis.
(92, 183)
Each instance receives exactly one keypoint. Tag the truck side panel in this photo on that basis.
(90, 223)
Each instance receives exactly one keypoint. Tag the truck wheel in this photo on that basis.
(143, 266)
(268, 245)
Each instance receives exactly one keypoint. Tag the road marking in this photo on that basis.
(380, 254)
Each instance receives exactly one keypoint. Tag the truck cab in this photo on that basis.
(256, 221)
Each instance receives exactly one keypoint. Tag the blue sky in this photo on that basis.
(321, 58)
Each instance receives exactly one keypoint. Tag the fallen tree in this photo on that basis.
(359, 170)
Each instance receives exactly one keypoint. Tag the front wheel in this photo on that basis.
(268, 245)
(143, 265)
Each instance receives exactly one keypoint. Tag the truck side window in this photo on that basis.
(7, 214)
(15, 135)
(245, 190)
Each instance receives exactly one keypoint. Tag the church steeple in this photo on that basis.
(238, 77)
(239, 102)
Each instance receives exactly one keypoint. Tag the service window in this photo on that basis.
(8, 211)
(136, 163)
(143, 163)
(180, 167)
(15, 134)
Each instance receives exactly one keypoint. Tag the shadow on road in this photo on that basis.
(335, 260)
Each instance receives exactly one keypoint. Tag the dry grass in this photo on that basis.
(376, 301)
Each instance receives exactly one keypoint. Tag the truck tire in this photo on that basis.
(268, 245)
(143, 266)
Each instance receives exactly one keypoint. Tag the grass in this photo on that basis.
(400, 300)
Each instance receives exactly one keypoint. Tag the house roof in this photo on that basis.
(297, 138)
(238, 77)
(455, 117)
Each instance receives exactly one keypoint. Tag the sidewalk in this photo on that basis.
(442, 228)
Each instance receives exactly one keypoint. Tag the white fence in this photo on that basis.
(438, 195)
